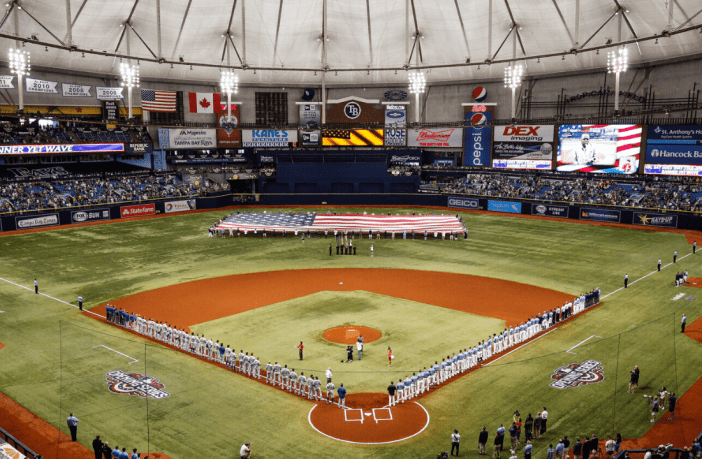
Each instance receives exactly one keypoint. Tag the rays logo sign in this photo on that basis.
(577, 374)
(119, 382)
(352, 110)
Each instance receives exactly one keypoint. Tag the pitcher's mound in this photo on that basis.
(348, 334)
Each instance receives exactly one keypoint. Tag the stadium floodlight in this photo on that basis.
(20, 66)
(130, 79)
(229, 84)
(617, 63)
(513, 79)
(417, 83)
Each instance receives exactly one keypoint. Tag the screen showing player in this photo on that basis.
(598, 148)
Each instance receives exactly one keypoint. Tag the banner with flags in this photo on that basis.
(204, 102)
(46, 87)
(158, 101)
(357, 137)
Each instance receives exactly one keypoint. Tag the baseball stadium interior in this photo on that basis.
(559, 111)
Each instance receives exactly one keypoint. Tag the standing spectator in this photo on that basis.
(672, 400)
(519, 430)
(97, 447)
(578, 449)
(135, 455)
(501, 436)
(626, 280)
(328, 374)
(245, 451)
(482, 441)
(496, 452)
(648, 453)
(106, 451)
(537, 425)
(544, 418)
(391, 393)
(342, 396)
(72, 422)
(634, 379)
(694, 247)
(527, 450)
(36, 286)
(528, 427)
(618, 443)
(359, 346)
(513, 454)
(513, 436)
(659, 264)
(560, 448)
(80, 302)
(675, 256)
(610, 446)
(683, 322)
(550, 452)
(566, 443)
(455, 441)
(301, 347)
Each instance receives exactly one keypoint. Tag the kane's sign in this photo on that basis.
(577, 374)
(119, 382)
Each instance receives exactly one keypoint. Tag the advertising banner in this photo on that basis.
(442, 138)
(515, 147)
(137, 211)
(75, 90)
(478, 135)
(505, 206)
(90, 215)
(411, 158)
(354, 110)
(180, 206)
(674, 134)
(181, 139)
(46, 87)
(265, 157)
(138, 148)
(310, 116)
(599, 148)
(463, 203)
(674, 150)
(674, 154)
(601, 215)
(310, 138)
(109, 93)
(528, 164)
(672, 169)
(6, 81)
(662, 220)
(352, 138)
(228, 135)
(37, 221)
(54, 149)
(268, 137)
(8, 451)
(110, 110)
(549, 210)
(395, 122)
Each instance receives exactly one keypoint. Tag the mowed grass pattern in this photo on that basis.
(50, 366)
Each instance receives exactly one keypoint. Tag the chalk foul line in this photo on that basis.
(109, 348)
(50, 297)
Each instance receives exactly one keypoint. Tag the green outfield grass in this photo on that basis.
(51, 365)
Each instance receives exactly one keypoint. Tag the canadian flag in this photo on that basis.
(204, 102)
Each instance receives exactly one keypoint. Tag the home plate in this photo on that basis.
(341, 283)
(368, 414)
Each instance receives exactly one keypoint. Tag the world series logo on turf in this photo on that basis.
(577, 374)
(119, 382)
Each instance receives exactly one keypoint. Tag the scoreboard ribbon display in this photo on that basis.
(358, 137)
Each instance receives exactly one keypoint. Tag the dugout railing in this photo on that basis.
(18, 445)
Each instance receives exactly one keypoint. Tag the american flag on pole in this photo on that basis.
(158, 101)
(344, 222)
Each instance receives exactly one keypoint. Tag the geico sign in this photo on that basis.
(466, 203)
(521, 130)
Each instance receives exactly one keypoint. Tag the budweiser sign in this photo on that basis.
(435, 138)
(137, 211)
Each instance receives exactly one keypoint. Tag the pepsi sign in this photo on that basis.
(352, 110)
(480, 94)
(478, 135)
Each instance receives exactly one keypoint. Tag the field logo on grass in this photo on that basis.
(578, 374)
(119, 382)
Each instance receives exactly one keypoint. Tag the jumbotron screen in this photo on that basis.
(599, 148)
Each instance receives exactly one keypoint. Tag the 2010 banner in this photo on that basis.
(46, 87)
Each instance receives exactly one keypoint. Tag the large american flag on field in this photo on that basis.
(158, 101)
(343, 222)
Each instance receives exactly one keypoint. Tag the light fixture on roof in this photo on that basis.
(130, 79)
(513, 79)
(230, 84)
(417, 84)
(20, 66)
(617, 63)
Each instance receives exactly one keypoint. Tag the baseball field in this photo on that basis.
(427, 300)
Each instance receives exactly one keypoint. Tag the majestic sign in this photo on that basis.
(194, 139)
(46, 87)
(310, 116)
(435, 138)
(180, 206)
(6, 81)
(523, 147)
(600, 215)
(577, 374)
(75, 90)
(70, 148)
(137, 211)
(119, 382)
(548, 210)
(268, 137)
(478, 138)
(109, 93)
(90, 215)
(505, 206)
(463, 203)
(36, 222)
(395, 134)
(649, 219)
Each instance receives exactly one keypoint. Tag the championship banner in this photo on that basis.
(549, 210)
(66, 148)
(599, 148)
(6, 82)
(600, 215)
(7, 451)
(180, 206)
(46, 87)
(310, 116)
(228, 135)
(76, 90)
(661, 220)
(36, 222)
(109, 93)
(449, 138)
(181, 139)
(310, 138)
(90, 215)
(137, 211)
(523, 147)
(478, 134)
(505, 206)
(395, 122)
(357, 138)
(61, 110)
(268, 137)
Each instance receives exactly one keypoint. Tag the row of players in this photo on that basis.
(216, 231)
(311, 387)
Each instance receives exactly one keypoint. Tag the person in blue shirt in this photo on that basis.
(116, 453)
(559, 449)
(501, 437)
(550, 452)
(527, 450)
(135, 455)
(513, 436)
(342, 396)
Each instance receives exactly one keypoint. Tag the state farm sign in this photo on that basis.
(137, 211)
(524, 133)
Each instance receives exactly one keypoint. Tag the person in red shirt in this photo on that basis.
(390, 356)
(300, 347)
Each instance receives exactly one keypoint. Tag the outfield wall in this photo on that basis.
(536, 209)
